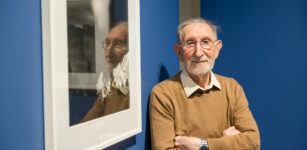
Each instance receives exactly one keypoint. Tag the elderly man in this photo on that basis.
(114, 92)
(197, 109)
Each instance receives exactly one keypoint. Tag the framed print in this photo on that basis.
(91, 64)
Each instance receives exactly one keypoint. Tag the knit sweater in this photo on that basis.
(116, 101)
(203, 115)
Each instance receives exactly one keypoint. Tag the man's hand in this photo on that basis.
(230, 131)
(187, 143)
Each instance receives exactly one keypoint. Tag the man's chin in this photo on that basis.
(198, 71)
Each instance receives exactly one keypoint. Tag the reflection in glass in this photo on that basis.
(81, 34)
(98, 30)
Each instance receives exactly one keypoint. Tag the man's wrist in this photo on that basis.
(204, 145)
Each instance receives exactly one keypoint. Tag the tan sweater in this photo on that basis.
(116, 101)
(203, 115)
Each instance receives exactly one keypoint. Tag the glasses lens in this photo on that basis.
(119, 44)
(206, 44)
(188, 45)
(106, 44)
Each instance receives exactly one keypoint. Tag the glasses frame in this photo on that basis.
(207, 47)
(117, 44)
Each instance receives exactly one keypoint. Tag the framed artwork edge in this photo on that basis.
(95, 134)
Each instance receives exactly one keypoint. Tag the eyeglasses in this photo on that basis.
(116, 44)
(191, 44)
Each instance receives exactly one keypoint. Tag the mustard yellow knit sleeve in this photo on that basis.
(249, 138)
(161, 120)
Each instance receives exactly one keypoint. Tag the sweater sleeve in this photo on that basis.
(96, 111)
(161, 120)
(243, 121)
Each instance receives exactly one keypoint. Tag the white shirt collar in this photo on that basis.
(190, 86)
(119, 81)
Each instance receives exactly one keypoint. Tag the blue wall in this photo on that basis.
(21, 79)
(21, 91)
(265, 49)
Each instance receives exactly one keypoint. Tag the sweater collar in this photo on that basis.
(190, 86)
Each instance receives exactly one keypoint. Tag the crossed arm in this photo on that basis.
(243, 134)
(193, 143)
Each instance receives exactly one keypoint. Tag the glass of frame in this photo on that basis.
(91, 52)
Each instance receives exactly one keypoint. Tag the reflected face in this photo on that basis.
(198, 60)
(116, 46)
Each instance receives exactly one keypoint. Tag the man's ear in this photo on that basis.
(219, 46)
(178, 52)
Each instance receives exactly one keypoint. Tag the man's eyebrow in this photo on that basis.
(190, 39)
(202, 38)
(207, 38)
(118, 39)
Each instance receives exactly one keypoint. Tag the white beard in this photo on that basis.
(195, 71)
(120, 79)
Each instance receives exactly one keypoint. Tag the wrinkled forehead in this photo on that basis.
(198, 30)
(119, 32)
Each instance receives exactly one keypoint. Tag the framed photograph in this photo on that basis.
(91, 64)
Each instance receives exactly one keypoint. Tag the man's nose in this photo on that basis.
(198, 52)
(107, 50)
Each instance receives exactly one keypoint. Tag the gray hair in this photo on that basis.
(214, 27)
